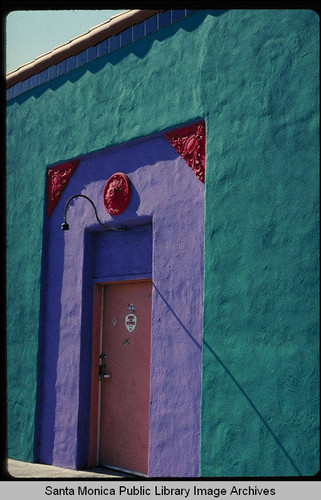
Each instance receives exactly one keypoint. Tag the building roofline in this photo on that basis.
(97, 34)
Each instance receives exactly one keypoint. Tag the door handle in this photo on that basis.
(101, 372)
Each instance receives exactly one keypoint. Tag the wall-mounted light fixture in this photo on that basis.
(65, 225)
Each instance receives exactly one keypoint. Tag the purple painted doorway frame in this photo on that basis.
(169, 198)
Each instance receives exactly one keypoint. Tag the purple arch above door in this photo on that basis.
(165, 239)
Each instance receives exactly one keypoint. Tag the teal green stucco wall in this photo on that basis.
(260, 355)
(253, 76)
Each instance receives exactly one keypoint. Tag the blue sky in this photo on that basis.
(31, 33)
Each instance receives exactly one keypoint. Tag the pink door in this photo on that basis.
(124, 396)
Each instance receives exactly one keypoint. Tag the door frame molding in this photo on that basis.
(94, 421)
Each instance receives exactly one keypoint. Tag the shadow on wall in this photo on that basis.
(47, 356)
(177, 318)
(139, 48)
(216, 357)
(259, 414)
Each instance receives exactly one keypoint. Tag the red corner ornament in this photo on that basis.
(58, 178)
(116, 194)
(189, 142)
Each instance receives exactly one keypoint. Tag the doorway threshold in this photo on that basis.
(123, 472)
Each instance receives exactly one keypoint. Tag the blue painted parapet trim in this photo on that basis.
(114, 42)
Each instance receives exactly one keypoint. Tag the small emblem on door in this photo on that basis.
(131, 322)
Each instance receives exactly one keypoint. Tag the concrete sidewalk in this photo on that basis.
(18, 469)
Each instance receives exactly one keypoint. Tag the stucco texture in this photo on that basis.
(260, 356)
(253, 76)
(164, 239)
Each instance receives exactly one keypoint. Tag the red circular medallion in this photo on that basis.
(116, 194)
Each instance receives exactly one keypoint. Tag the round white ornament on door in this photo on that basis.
(131, 322)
